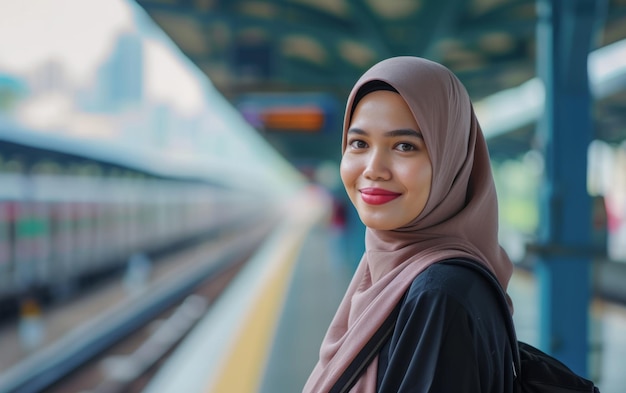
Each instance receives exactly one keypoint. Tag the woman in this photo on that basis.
(416, 167)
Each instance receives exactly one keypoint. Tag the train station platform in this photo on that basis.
(263, 335)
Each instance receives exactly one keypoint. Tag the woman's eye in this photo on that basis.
(405, 147)
(358, 144)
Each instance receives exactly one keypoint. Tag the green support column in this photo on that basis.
(564, 37)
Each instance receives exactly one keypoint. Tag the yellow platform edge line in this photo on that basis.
(242, 369)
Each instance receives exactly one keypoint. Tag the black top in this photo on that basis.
(450, 337)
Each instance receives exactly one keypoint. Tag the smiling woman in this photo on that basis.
(416, 167)
(386, 168)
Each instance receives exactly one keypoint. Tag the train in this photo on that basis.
(58, 228)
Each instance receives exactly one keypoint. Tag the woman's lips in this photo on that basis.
(377, 196)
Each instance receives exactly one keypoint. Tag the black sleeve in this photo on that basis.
(449, 337)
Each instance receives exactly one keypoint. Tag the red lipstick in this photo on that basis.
(377, 196)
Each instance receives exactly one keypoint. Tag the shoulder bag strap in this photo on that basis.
(367, 354)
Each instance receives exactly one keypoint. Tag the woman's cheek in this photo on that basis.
(346, 171)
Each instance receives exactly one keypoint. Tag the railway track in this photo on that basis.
(128, 365)
(120, 350)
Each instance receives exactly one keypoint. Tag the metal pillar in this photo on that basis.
(564, 36)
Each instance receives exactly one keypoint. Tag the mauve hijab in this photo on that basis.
(460, 218)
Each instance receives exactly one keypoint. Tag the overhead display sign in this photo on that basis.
(289, 112)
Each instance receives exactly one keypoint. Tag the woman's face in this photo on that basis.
(385, 168)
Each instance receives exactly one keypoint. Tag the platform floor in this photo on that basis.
(319, 282)
(321, 277)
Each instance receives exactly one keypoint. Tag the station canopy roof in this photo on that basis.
(325, 45)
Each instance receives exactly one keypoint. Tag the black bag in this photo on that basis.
(535, 371)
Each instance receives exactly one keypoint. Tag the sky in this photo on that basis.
(79, 34)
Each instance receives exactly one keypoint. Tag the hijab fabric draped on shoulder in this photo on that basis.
(460, 218)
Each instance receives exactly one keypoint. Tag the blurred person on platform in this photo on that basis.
(416, 167)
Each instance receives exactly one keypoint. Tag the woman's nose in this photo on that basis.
(377, 167)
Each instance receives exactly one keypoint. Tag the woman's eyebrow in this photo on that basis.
(392, 133)
(405, 132)
(356, 131)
